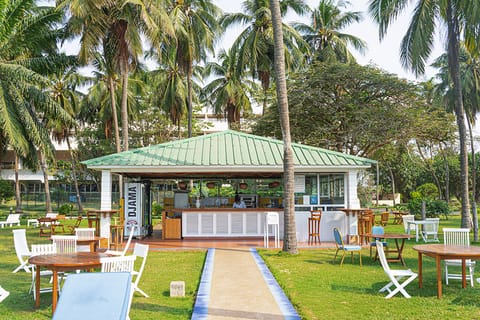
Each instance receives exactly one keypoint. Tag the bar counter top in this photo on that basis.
(206, 209)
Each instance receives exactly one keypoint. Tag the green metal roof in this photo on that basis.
(226, 151)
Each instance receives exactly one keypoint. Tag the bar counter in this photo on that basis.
(225, 222)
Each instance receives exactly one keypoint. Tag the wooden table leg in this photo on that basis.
(37, 287)
(54, 291)
(439, 277)
(420, 270)
(464, 274)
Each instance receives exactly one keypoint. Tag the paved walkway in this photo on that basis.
(236, 284)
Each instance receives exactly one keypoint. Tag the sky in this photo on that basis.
(384, 54)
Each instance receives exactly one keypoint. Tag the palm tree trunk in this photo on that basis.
(18, 196)
(125, 108)
(43, 165)
(454, 68)
(290, 237)
(474, 184)
(74, 173)
(189, 100)
(392, 178)
(118, 145)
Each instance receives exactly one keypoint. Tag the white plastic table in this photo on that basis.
(416, 224)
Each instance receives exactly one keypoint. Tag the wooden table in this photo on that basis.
(398, 216)
(442, 252)
(398, 246)
(60, 262)
(359, 212)
(46, 226)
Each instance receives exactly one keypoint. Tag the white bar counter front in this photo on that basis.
(249, 222)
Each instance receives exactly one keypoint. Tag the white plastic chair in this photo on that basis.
(118, 264)
(41, 249)
(21, 249)
(430, 230)
(12, 219)
(3, 294)
(406, 219)
(395, 276)
(84, 233)
(140, 250)
(127, 245)
(65, 244)
(458, 237)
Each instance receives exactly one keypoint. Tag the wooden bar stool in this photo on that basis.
(314, 227)
(93, 219)
(116, 234)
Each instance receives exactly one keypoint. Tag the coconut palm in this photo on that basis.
(196, 31)
(327, 42)
(289, 239)
(228, 93)
(254, 46)
(28, 46)
(461, 20)
(470, 74)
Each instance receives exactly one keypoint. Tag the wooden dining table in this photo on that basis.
(399, 245)
(61, 262)
(442, 252)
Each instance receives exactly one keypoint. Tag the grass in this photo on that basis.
(162, 267)
(318, 288)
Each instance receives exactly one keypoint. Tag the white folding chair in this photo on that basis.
(21, 249)
(458, 237)
(84, 233)
(406, 219)
(65, 244)
(395, 276)
(127, 245)
(118, 264)
(140, 250)
(41, 249)
(3, 294)
(430, 230)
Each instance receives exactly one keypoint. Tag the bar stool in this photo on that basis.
(116, 233)
(314, 227)
(93, 219)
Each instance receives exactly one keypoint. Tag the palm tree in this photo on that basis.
(323, 33)
(470, 74)
(254, 47)
(458, 16)
(289, 239)
(28, 46)
(228, 93)
(196, 30)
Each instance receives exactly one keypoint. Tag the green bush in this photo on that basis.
(433, 208)
(65, 208)
(6, 190)
(428, 191)
(156, 209)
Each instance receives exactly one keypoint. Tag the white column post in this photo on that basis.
(352, 201)
(106, 204)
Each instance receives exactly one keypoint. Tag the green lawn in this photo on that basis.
(318, 288)
(162, 267)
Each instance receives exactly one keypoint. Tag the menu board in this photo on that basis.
(299, 184)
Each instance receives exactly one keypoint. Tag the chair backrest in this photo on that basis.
(382, 257)
(456, 236)
(77, 222)
(65, 244)
(406, 218)
(384, 216)
(378, 230)
(95, 295)
(338, 237)
(118, 264)
(42, 249)
(85, 233)
(431, 227)
(140, 250)
(20, 243)
(13, 218)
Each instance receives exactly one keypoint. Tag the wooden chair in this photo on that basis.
(384, 218)
(127, 245)
(71, 229)
(59, 224)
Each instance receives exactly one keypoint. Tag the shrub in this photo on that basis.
(156, 209)
(65, 208)
(6, 190)
(428, 191)
(433, 208)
